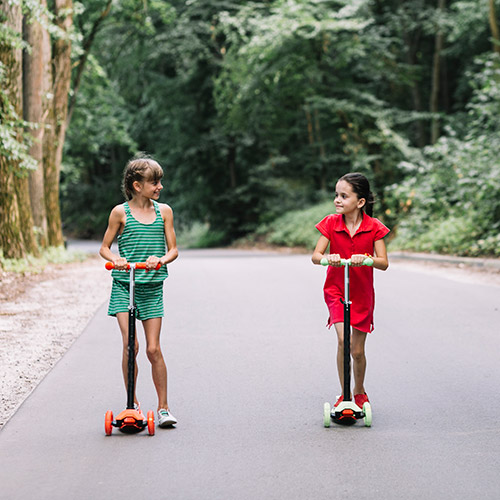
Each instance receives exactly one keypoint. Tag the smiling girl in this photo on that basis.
(353, 234)
(145, 231)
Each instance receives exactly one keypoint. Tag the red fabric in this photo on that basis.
(362, 293)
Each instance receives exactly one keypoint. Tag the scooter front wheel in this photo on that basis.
(151, 423)
(367, 410)
(108, 423)
(327, 416)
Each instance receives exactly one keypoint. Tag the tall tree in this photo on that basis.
(33, 114)
(59, 79)
(16, 223)
(494, 27)
(10, 231)
(436, 72)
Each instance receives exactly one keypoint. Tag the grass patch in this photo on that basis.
(32, 264)
(199, 235)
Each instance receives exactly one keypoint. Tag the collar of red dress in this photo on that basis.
(339, 224)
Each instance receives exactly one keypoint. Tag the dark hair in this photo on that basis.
(361, 186)
(140, 168)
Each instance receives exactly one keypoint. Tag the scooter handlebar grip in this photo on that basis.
(110, 266)
(142, 265)
(367, 262)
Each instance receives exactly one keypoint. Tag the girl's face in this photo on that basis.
(346, 200)
(149, 189)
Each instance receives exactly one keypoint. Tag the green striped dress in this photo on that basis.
(139, 241)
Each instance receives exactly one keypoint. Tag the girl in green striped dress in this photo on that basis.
(145, 232)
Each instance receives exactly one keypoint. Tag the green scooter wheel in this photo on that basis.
(327, 417)
(367, 410)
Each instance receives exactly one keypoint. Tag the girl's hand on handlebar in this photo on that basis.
(120, 264)
(357, 260)
(334, 259)
(152, 262)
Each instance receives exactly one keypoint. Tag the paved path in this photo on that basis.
(250, 366)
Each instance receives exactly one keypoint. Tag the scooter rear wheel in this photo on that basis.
(108, 423)
(151, 423)
(327, 416)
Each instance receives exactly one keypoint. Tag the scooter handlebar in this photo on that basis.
(138, 265)
(367, 262)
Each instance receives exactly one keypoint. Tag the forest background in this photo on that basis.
(254, 109)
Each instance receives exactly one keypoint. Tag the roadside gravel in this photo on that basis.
(41, 315)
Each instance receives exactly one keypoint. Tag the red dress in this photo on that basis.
(362, 294)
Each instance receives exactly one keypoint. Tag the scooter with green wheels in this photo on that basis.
(347, 412)
(130, 420)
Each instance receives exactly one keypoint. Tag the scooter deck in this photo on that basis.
(346, 413)
(130, 421)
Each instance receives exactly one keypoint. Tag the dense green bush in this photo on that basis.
(296, 228)
(450, 200)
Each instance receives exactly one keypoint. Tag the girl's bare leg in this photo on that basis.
(339, 327)
(152, 328)
(123, 323)
(358, 340)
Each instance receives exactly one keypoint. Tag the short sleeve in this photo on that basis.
(380, 230)
(325, 226)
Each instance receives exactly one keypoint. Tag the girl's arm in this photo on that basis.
(319, 252)
(380, 260)
(172, 252)
(115, 223)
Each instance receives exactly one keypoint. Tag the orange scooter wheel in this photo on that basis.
(151, 423)
(108, 423)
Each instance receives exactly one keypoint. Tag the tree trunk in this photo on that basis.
(436, 69)
(56, 119)
(231, 161)
(321, 151)
(16, 224)
(412, 41)
(32, 111)
(494, 27)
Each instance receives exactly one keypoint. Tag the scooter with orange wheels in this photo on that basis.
(347, 411)
(130, 420)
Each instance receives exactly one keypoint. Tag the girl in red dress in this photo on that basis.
(353, 234)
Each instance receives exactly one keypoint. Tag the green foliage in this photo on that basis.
(297, 227)
(450, 200)
(97, 146)
(255, 109)
(200, 235)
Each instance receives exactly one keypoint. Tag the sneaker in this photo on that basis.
(165, 418)
(361, 399)
(339, 400)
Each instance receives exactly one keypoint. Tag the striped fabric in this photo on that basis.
(148, 300)
(137, 242)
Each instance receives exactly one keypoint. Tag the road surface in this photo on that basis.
(250, 365)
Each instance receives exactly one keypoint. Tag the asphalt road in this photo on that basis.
(251, 364)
